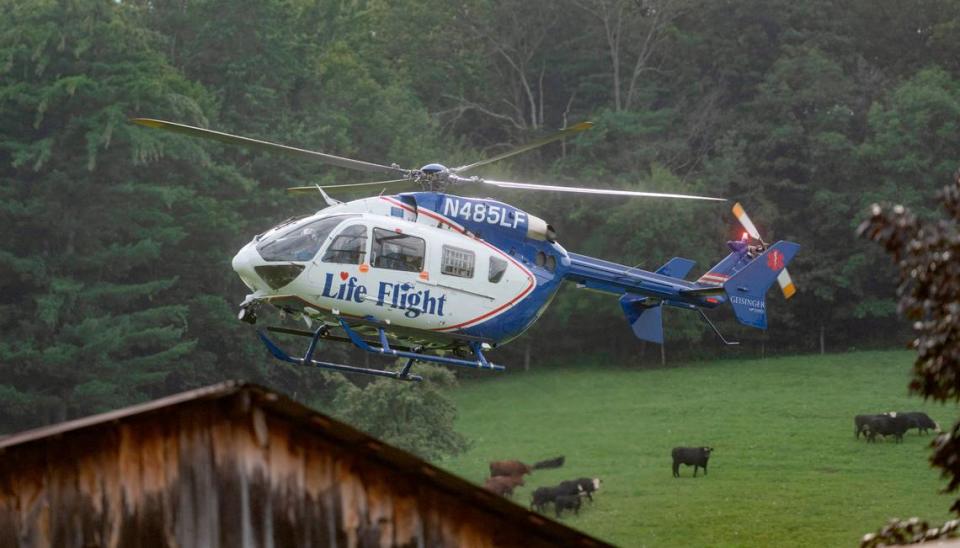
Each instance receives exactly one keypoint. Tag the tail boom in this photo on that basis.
(741, 278)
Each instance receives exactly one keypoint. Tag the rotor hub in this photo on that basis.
(433, 177)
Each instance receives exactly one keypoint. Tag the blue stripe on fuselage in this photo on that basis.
(513, 322)
(510, 323)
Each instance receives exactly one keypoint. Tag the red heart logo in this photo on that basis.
(775, 260)
(344, 276)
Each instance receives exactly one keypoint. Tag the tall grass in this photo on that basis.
(786, 468)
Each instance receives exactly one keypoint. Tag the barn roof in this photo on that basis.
(308, 423)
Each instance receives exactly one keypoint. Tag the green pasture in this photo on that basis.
(786, 468)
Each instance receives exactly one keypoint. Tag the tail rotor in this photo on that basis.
(787, 286)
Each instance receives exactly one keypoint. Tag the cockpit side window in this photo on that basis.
(300, 243)
(349, 247)
(397, 251)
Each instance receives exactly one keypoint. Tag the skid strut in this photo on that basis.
(715, 330)
(383, 349)
(307, 359)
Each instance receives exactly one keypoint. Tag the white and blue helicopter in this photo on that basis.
(432, 277)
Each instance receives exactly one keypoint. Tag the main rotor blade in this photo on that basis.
(580, 190)
(265, 145)
(582, 126)
(741, 215)
(313, 188)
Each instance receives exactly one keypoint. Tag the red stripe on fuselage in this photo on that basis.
(714, 277)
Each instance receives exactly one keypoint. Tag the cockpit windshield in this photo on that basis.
(301, 241)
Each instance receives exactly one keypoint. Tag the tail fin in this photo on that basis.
(748, 286)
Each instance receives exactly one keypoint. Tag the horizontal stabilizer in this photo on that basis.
(645, 318)
(677, 267)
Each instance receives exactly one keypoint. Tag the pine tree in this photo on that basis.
(89, 323)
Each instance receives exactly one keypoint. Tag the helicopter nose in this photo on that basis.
(244, 263)
(263, 276)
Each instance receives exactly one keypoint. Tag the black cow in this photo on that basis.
(545, 495)
(567, 502)
(549, 463)
(921, 421)
(891, 424)
(695, 456)
(860, 423)
(587, 486)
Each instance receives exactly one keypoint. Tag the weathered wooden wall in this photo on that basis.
(234, 472)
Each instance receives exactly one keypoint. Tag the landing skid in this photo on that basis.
(383, 349)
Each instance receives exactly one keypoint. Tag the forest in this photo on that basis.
(115, 278)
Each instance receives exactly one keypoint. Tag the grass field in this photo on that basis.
(786, 470)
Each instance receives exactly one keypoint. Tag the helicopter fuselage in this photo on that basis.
(433, 266)
(442, 271)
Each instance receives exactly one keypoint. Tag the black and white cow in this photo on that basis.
(691, 456)
(587, 486)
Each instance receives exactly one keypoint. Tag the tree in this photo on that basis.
(634, 37)
(926, 255)
(518, 51)
(417, 417)
(913, 134)
(87, 325)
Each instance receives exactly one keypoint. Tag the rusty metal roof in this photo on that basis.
(220, 390)
(312, 422)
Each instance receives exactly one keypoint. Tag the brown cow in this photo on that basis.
(509, 468)
(503, 485)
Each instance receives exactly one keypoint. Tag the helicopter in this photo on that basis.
(428, 276)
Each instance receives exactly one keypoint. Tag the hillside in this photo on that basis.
(786, 468)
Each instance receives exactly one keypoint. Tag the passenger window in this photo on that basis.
(350, 247)
(457, 262)
(397, 251)
(551, 263)
(497, 268)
